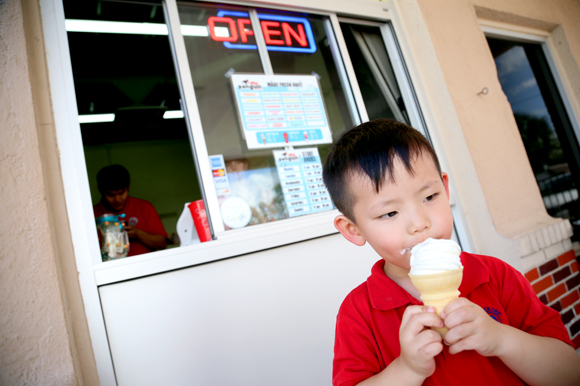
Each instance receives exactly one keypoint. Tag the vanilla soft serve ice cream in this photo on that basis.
(435, 256)
(436, 272)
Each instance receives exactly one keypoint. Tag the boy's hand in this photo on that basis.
(419, 344)
(471, 328)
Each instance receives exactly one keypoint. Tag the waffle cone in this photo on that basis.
(438, 289)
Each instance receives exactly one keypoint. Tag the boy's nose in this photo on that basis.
(419, 223)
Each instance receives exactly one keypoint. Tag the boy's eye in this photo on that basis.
(431, 197)
(389, 215)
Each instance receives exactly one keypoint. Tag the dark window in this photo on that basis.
(544, 125)
(127, 100)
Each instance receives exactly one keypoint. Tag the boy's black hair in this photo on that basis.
(113, 177)
(371, 149)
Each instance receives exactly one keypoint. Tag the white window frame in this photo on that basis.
(92, 271)
(525, 35)
(228, 243)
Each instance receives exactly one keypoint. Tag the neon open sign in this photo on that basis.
(281, 33)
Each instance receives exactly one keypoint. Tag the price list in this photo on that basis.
(300, 173)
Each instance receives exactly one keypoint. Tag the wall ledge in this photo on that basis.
(513, 19)
(545, 243)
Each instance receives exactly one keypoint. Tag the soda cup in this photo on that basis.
(200, 222)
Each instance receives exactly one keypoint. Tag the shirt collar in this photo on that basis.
(385, 294)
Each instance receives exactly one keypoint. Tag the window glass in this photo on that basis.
(130, 115)
(549, 140)
(374, 73)
(297, 44)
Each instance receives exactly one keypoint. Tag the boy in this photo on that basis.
(386, 180)
(142, 223)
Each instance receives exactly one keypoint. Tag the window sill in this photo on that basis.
(228, 244)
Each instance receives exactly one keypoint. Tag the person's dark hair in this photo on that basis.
(371, 149)
(113, 177)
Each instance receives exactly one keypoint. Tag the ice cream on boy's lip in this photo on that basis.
(436, 272)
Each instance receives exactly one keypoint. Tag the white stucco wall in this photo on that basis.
(34, 343)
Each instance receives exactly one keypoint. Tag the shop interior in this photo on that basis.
(130, 106)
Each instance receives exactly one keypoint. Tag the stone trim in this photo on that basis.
(542, 245)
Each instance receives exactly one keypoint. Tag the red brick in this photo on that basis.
(566, 257)
(574, 266)
(532, 275)
(543, 284)
(561, 274)
(556, 292)
(573, 282)
(577, 309)
(548, 267)
(569, 299)
(576, 342)
(567, 316)
(575, 328)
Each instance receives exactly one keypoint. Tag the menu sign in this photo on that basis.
(280, 110)
(300, 172)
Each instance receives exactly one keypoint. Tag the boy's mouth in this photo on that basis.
(405, 250)
(411, 247)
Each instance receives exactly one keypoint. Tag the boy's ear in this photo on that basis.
(349, 230)
(445, 179)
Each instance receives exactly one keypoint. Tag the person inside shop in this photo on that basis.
(142, 223)
(385, 179)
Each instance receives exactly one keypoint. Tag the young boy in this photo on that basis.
(142, 223)
(385, 179)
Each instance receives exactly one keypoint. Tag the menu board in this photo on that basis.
(300, 173)
(280, 110)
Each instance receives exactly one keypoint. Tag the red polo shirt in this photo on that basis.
(141, 214)
(367, 328)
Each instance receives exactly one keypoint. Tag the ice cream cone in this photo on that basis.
(438, 289)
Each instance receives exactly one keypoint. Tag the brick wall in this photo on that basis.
(557, 283)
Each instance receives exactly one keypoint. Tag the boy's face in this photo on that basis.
(116, 199)
(403, 213)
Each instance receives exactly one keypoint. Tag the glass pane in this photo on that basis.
(296, 44)
(319, 62)
(374, 72)
(550, 145)
(130, 115)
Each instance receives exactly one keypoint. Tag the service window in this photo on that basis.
(224, 114)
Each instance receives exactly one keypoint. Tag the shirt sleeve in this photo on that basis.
(524, 309)
(356, 356)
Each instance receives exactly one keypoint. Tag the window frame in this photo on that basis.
(493, 30)
(228, 243)
(238, 242)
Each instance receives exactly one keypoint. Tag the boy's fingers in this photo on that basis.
(418, 322)
(433, 348)
(454, 305)
(462, 345)
(462, 315)
(411, 310)
(428, 336)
